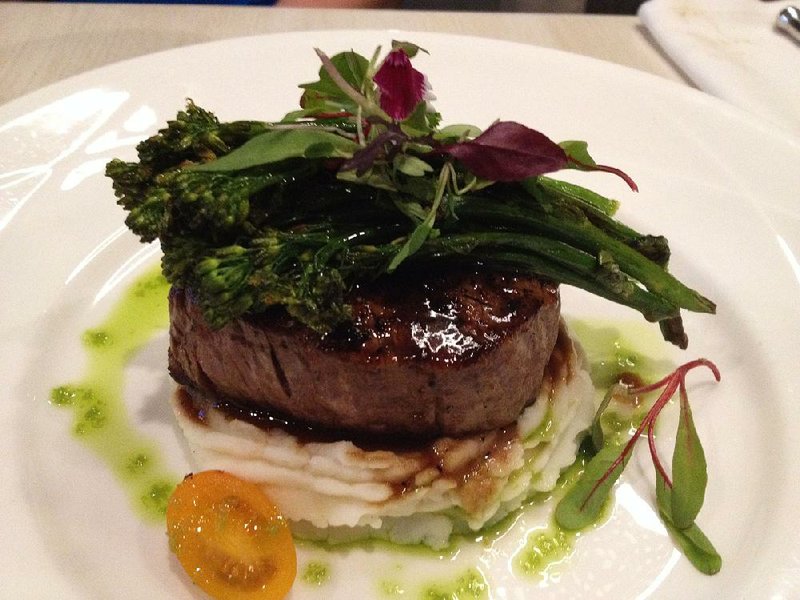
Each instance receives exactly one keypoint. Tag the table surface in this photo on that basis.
(41, 43)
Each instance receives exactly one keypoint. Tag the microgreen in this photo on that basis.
(410, 48)
(689, 474)
(340, 80)
(281, 144)
(425, 229)
(585, 501)
(383, 146)
(679, 499)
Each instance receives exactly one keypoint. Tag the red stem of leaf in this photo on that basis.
(629, 446)
(607, 169)
(651, 440)
(684, 395)
(680, 372)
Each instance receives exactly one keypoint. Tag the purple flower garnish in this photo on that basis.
(401, 86)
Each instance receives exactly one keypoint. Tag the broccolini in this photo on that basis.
(252, 215)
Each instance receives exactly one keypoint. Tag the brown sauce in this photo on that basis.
(473, 477)
(559, 367)
(628, 379)
(439, 459)
(196, 405)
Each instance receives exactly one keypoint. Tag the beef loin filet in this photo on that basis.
(439, 354)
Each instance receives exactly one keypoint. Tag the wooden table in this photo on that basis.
(41, 43)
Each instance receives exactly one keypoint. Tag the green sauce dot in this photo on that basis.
(96, 338)
(92, 419)
(63, 395)
(100, 417)
(470, 586)
(137, 464)
(157, 497)
(542, 550)
(316, 573)
(69, 395)
(391, 588)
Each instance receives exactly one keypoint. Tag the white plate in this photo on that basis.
(720, 185)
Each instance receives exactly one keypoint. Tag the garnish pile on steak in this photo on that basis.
(425, 356)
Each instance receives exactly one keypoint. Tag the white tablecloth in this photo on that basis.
(731, 49)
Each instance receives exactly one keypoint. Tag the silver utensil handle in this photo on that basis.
(789, 22)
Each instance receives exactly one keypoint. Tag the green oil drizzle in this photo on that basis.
(611, 355)
(612, 350)
(391, 588)
(100, 418)
(544, 431)
(542, 550)
(102, 424)
(471, 585)
(316, 573)
(545, 547)
(378, 544)
(620, 424)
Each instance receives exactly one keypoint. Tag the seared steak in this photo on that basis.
(431, 355)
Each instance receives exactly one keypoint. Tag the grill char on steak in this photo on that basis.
(443, 354)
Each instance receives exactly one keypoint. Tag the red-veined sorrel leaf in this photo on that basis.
(692, 541)
(401, 86)
(509, 151)
(689, 472)
(582, 505)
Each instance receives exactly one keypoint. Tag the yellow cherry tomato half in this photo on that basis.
(230, 538)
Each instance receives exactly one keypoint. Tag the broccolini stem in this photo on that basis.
(561, 263)
(581, 234)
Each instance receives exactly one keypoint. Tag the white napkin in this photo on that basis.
(731, 49)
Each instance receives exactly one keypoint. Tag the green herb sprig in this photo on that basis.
(679, 499)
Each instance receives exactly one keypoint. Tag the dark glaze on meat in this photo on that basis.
(448, 318)
(426, 355)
